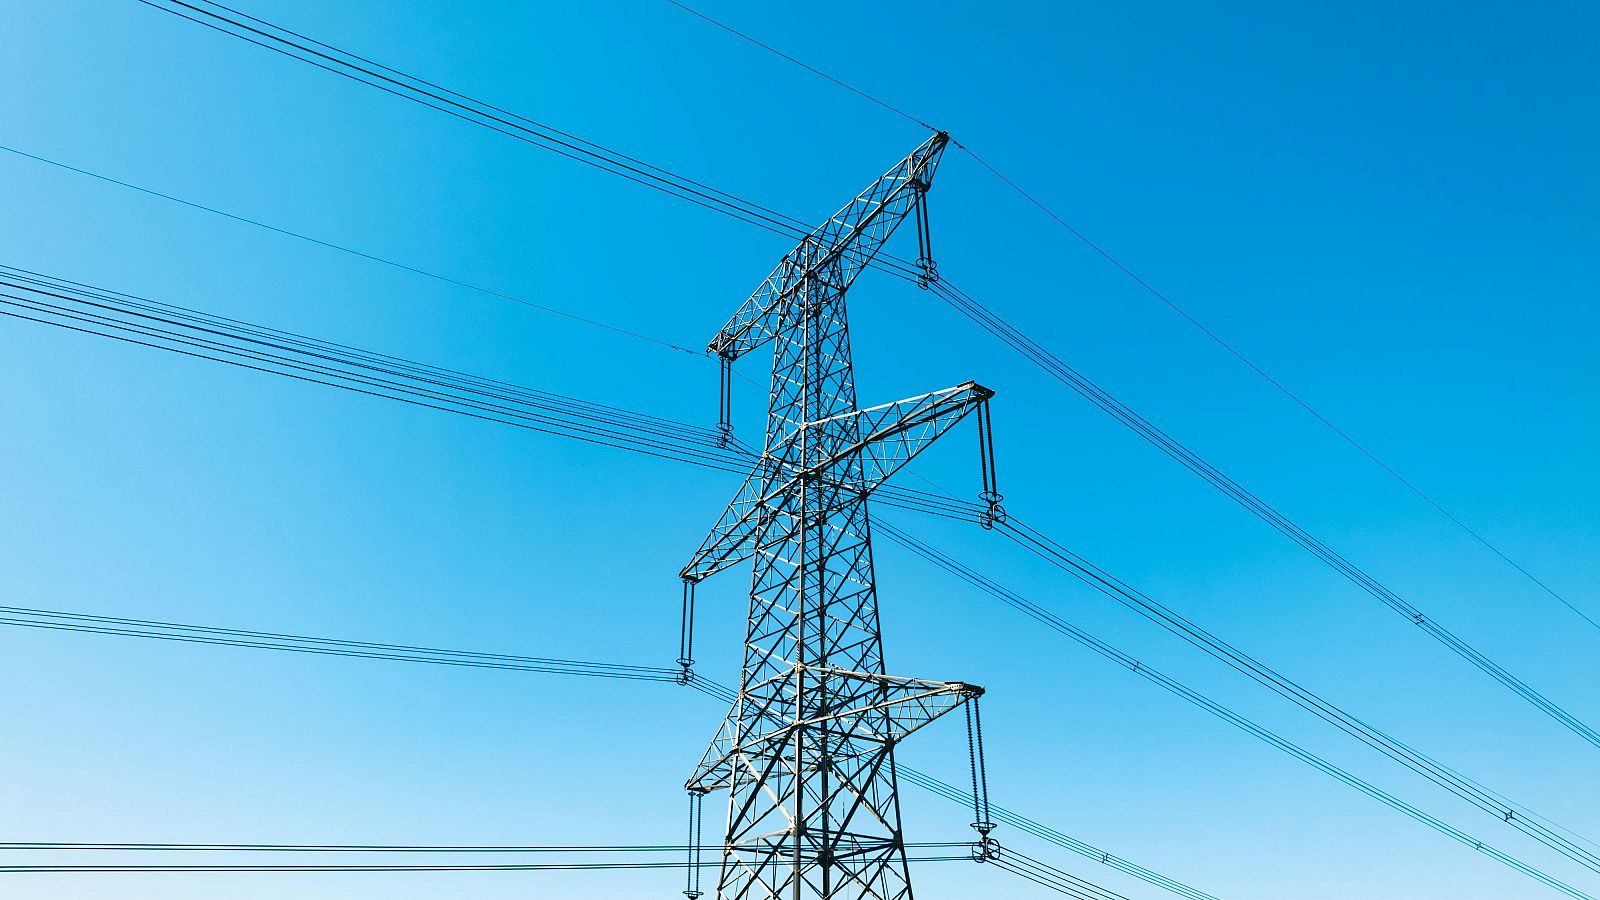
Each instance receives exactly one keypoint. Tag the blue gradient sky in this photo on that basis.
(1392, 208)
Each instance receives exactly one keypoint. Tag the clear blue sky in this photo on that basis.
(1391, 207)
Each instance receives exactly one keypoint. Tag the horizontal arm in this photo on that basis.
(852, 237)
(885, 439)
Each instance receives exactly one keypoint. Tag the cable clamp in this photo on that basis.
(993, 513)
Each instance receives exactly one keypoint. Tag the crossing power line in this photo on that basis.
(74, 306)
(31, 846)
(970, 513)
(126, 627)
(1006, 860)
(117, 626)
(945, 291)
(301, 236)
(626, 422)
(393, 81)
(1059, 370)
(120, 626)
(307, 869)
(461, 106)
(1544, 831)
(1167, 301)
(705, 438)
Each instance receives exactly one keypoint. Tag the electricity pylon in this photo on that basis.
(807, 751)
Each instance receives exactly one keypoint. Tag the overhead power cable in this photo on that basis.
(350, 65)
(28, 295)
(299, 643)
(31, 846)
(1500, 808)
(453, 103)
(1046, 875)
(1295, 398)
(809, 68)
(56, 620)
(490, 292)
(1054, 366)
(950, 792)
(364, 70)
(1058, 369)
(290, 869)
(126, 627)
(78, 307)
(1174, 307)
(740, 456)
(1420, 622)
(1044, 832)
(359, 68)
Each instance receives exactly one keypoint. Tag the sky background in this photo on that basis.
(1390, 207)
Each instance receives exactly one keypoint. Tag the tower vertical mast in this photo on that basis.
(807, 752)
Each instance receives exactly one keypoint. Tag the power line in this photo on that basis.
(1056, 368)
(284, 41)
(393, 81)
(290, 869)
(37, 846)
(1046, 875)
(1037, 354)
(1007, 333)
(1180, 311)
(360, 649)
(1283, 389)
(666, 427)
(1500, 808)
(622, 425)
(617, 329)
(965, 800)
(125, 317)
(408, 87)
(386, 870)
(1046, 833)
(126, 627)
(809, 68)
(396, 82)
(388, 848)
(57, 620)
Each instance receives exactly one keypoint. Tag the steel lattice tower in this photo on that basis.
(807, 751)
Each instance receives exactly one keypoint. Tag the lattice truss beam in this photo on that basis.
(883, 439)
(852, 237)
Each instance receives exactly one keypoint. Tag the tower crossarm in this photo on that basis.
(892, 434)
(730, 540)
(884, 439)
(851, 237)
(867, 707)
